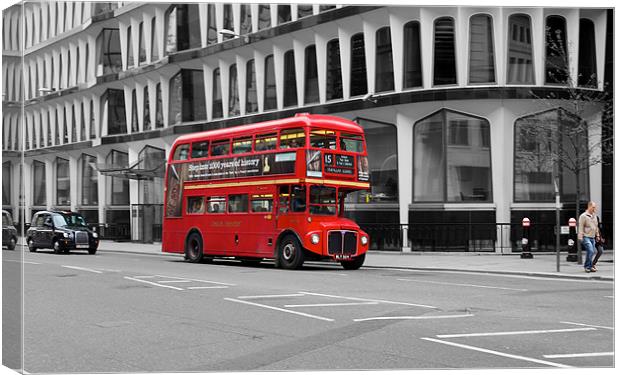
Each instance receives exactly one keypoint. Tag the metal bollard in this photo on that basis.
(525, 241)
(572, 240)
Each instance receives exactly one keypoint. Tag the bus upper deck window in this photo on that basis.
(292, 138)
(181, 152)
(242, 145)
(323, 139)
(265, 142)
(351, 142)
(220, 147)
(200, 149)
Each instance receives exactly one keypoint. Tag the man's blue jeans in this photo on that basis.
(588, 246)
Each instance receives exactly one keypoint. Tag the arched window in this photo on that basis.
(83, 135)
(290, 82)
(444, 67)
(556, 64)
(90, 181)
(251, 101)
(311, 87)
(304, 10)
(233, 91)
(109, 50)
(187, 97)
(481, 51)
(74, 137)
(134, 112)
(182, 27)
(39, 179)
(229, 23)
(211, 25)
(587, 54)
(129, 48)
(159, 114)
(412, 55)
(270, 84)
(359, 83)
(334, 70)
(384, 75)
(217, 94)
(93, 130)
(141, 44)
(147, 110)
(154, 52)
(520, 68)
(451, 158)
(284, 13)
(49, 128)
(264, 17)
(41, 132)
(540, 140)
(171, 29)
(246, 19)
(65, 128)
(63, 188)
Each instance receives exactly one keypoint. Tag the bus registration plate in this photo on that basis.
(343, 256)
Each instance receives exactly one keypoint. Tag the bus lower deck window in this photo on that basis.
(216, 205)
(195, 205)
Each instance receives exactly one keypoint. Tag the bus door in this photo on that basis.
(262, 223)
(291, 206)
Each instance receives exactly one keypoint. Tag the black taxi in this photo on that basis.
(9, 233)
(61, 231)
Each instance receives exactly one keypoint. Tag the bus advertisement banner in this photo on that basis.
(243, 166)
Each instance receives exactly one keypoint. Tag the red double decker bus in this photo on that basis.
(268, 190)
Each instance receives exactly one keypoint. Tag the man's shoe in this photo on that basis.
(587, 270)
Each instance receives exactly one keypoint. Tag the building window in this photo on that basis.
(99, 8)
(556, 64)
(113, 111)
(118, 187)
(63, 196)
(74, 137)
(129, 48)
(284, 13)
(290, 82)
(134, 112)
(233, 91)
(6, 183)
(246, 19)
(41, 132)
(382, 149)
(228, 21)
(481, 52)
(251, 100)
(49, 129)
(264, 17)
(412, 56)
(154, 52)
(38, 182)
(159, 115)
(211, 25)
(187, 97)
(82, 122)
(451, 158)
(520, 68)
(539, 140)
(147, 110)
(304, 10)
(109, 50)
(384, 78)
(86, 60)
(93, 131)
(218, 111)
(359, 84)
(56, 128)
(311, 89)
(444, 68)
(334, 71)
(90, 181)
(183, 28)
(65, 128)
(270, 84)
(141, 45)
(587, 54)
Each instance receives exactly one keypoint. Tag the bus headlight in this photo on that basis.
(315, 238)
(95, 235)
(364, 240)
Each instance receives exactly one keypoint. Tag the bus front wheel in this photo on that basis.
(193, 248)
(290, 254)
(354, 264)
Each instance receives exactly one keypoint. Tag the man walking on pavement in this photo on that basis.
(588, 230)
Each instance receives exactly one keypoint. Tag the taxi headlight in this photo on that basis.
(364, 240)
(315, 238)
(66, 235)
(95, 235)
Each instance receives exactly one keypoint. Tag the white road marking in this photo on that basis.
(609, 296)
(468, 285)
(208, 287)
(19, 261)
(587, 325)
(152, 283)
(82, 269)
(334, 304)
(145, 277)
(494, 352)
(271, 296)
(413, 317)
(280, 309)
(369, 300)
(175, 281)
(198, 280)
(579, 355)
(516, 332)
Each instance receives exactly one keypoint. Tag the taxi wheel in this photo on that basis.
(92, 251)
(354, 264)
(56, 247)
(291, 254)
(193, 248)
(12, 243)
(31, 246)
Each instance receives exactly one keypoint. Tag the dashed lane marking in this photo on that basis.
(414, 317)
(19, 261)
(466, 285)
(208, 287)
(368, 300)
(334, 304)
(587, 325)
(495, 352)
(152, 283)
(509, 333)
(280, 309)
(83, 269)
(579, 355)
(197, 280)
(175, 281)
(272, 296)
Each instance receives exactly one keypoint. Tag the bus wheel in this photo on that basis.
(193, 248)
(354, 264)
(290, 255)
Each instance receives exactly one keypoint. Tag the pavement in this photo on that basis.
(541, 265)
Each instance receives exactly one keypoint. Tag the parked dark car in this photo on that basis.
(9, 233)
(61, 231)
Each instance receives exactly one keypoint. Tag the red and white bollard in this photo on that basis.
(572, 240)
(526, 253)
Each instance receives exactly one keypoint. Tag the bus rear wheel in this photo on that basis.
(355, 263)
(290, 254)
(193, 248)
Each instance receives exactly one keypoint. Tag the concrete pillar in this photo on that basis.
(404, 131)
(102, 190)
(73, 182)
(134, 195)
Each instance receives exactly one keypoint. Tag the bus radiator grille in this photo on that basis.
(342, 242)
